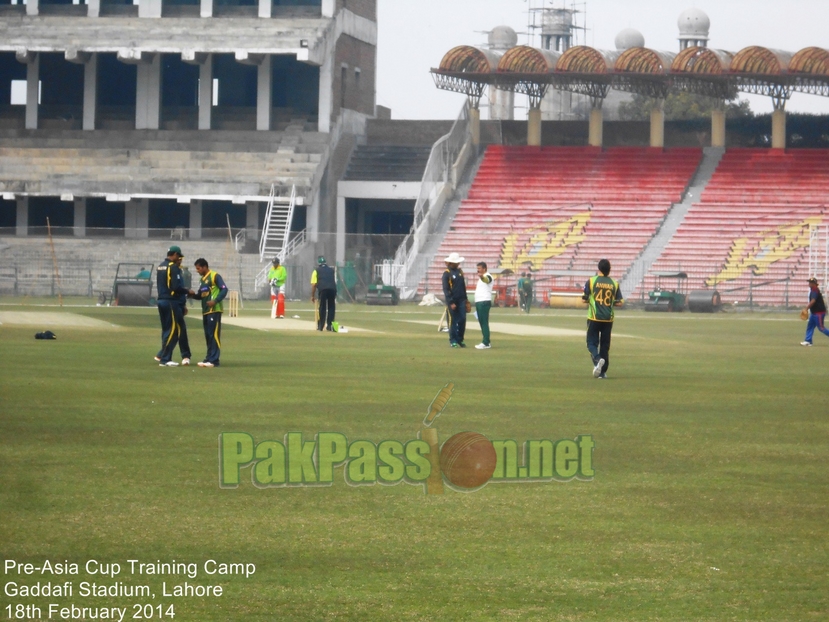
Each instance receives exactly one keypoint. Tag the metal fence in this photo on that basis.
(87, 266)
(436, 178)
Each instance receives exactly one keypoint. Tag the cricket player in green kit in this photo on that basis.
(601, 293)
(212, 290)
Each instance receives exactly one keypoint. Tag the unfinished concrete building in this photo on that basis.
(125, 125)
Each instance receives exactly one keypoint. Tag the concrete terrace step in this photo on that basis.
(150, 156)
(387, 163)
(166, 35)
(44, 170)
(163, 140)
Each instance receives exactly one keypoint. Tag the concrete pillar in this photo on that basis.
(90, 93)
(340, 251)
(312, 220)
(326, 93)
(657, 127)
(594, 138)
(206, 93)
(778, 129)
(264, 91)
(32, 7)
(252, 220)
(149, 8)
(137, 218)
(32, 91)
(501, 104)
(206, 8)
(22, 216)
(475, 125)
(718, 128)
(148, 95)
(265, 8)
(534, 127)
(195, 219)
(93, 8)
(79, 230)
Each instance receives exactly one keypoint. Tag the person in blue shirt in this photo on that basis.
(457, 303)
(183, 341)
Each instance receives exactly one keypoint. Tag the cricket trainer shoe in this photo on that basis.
(483, 346)
(597, 370)
(185, 361)
(806, 343)
(168, 364)
(206, 364)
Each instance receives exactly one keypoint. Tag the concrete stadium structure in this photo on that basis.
(531, 208)
(126, 126)
(174, 118)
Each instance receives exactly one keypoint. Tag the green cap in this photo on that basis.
(174, 249)
(320, 260)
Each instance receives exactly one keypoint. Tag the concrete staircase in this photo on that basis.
(417, 274)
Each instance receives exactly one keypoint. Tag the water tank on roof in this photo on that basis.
(556, 21)
(629, 38)
(693, 28)
(557, 29)
(693, 22)
(502, 38)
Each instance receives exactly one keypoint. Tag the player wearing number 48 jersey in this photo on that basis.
(601, 293)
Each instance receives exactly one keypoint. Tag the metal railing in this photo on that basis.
(819, 252)
(240, 239)
(390, 273)
(295, 243)
(746, 289)
(436, 177)
(293, 246)
(271, 222)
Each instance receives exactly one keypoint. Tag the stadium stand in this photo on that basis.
(748, 236)
(562, 208)
(387, 163)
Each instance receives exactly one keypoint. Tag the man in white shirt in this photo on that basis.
(483, 303)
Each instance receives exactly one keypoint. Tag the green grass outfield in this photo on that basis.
(710, 499)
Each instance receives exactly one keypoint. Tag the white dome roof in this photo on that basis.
(693, 22)
(502, 38)
(629, 38)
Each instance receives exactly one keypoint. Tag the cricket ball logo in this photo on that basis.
(466, 460)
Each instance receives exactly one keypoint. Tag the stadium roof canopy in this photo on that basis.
(586, 70)
(465, 69)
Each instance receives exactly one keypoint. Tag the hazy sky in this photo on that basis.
(415, 34)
